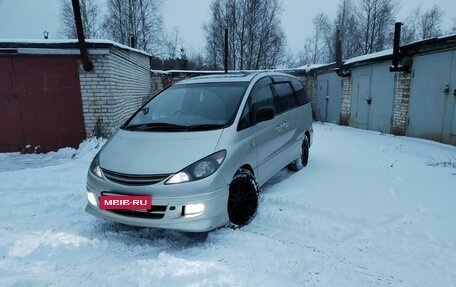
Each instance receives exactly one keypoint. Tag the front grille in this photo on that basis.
(156, 212)
(134, 179)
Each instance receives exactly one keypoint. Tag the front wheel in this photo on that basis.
(243, 198)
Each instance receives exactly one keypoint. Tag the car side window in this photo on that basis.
(263, 97)
(286, 98)
(300, 92)
(260, 96)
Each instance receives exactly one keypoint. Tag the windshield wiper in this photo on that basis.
(205, 127)
(155, 127)
(171, 127)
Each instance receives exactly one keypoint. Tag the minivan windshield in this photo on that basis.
(190, 107)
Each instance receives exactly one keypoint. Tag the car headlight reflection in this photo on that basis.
(200, 169)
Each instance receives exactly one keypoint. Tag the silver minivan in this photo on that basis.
(199, 150)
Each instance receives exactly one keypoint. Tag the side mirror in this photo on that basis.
(263, 114)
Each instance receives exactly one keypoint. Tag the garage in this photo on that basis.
(434, 97)
(40, 102)
(372, 97)
(329, 98)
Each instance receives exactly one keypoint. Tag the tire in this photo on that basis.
(243, 198)
(298, 164)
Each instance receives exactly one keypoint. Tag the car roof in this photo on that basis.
(230, 77)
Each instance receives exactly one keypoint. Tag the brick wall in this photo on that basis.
(157, 85)
(118, 85)
(346, 98)
(401, 102)
(95, 91)
(310, 83)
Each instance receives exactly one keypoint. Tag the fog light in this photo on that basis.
(92, 198)
(192, 210)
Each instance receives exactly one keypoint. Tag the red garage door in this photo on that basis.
(10, 121)
(40, 103)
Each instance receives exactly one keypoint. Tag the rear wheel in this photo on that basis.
(304, 158)
(243, 198)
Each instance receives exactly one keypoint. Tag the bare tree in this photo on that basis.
(197, 61)
(431, 23)
(375, 18)
(321, 38)
(346, 23)
(411, 27)
(364, 28)
(137, 19)
(419, 25)
(305, 56)
(214, 39)
(318, 48)
(171, 43)
(256, 38)
(453, 27)
(289, 60)
(90, 19)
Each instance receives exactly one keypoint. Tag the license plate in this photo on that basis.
(125, 202)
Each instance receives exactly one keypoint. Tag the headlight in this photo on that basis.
(95, 167)
(200, 169)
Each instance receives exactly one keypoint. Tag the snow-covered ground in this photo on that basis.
(368, 210)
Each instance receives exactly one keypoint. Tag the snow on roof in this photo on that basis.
(188, 71)
(441, 38)
(447, 36)
(72, 41)
(369, 56)
(116, 44)
(218, 71)
(305, 68)
(380, 54)
(309, 67)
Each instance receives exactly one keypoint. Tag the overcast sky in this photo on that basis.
(25, 19)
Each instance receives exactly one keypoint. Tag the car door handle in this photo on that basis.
(282, 126)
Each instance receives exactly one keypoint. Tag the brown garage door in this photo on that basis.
(40, 103)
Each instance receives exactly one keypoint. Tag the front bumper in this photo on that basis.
(173, 199)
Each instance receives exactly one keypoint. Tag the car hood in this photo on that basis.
(135, 152)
